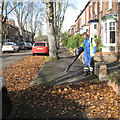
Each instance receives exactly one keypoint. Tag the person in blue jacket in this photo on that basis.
(90, 48)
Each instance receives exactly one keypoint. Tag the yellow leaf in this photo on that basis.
(59, 90)
(65, 89)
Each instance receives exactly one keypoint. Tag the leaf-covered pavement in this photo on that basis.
(62, 101)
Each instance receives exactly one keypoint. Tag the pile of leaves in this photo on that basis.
(20, 74)
(97, 100)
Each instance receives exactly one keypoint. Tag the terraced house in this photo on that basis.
(101, 18)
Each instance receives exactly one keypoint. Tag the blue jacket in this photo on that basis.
(89, 47)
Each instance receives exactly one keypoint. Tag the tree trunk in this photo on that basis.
(1, 23)
(118, 40)
(33, 37)
(0, 33)
(51, 32)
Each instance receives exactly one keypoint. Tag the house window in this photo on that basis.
(110, 4)
(95, 26)
(112, 32)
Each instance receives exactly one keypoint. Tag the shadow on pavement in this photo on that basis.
(53, 71)
(39, 102)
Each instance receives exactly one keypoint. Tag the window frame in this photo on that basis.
(112, 30)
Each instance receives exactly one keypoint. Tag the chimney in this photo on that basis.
(11, 22)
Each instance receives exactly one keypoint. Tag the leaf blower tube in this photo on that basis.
(79, 52)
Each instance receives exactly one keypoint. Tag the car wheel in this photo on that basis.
(14, 51)
(33, 54)
(6, 105)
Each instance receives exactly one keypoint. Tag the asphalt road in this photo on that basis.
(9, 58)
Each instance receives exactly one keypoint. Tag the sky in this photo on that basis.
(72, 13)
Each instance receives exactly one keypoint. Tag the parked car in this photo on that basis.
(10, 47)
(22, 45)
(40, 47)
(29, 45)
(6, 103)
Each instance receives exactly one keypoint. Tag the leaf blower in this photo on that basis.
(79, 52)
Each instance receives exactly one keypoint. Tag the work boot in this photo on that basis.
(91, 70)
(91, 73)
(86, 70)
(86, 73)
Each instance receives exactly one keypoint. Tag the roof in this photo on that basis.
(83, 10)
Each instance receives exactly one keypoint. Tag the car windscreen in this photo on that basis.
(39, 44)
(7, 44)
(20, 43)
(29, 43)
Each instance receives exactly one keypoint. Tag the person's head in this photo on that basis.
(85, 35)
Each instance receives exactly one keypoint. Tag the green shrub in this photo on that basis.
(64, 38)
(75, 41)
(78, 40)
(99, 44)
(72, 41)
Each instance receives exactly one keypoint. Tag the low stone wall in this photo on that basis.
(106, 56)
(115, 87)
(102, 70)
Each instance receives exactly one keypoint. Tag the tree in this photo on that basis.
(60, 7)
(35, 17)
(39, 37)
(118, 41)
(21, 12)
(51, 31)
(55, 18)
(60, 10)
(5, 10)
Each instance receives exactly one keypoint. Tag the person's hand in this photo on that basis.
(93, 54)
(77, 53)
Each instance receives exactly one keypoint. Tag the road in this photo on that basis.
(9, 58)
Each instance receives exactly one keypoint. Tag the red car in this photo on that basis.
(40, 47)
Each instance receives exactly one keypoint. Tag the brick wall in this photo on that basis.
(115, 87)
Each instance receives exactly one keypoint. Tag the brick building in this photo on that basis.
(102, 19)
(11, 32)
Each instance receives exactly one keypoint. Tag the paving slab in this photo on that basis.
(53, 73)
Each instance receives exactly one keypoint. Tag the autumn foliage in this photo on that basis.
(96, 99)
